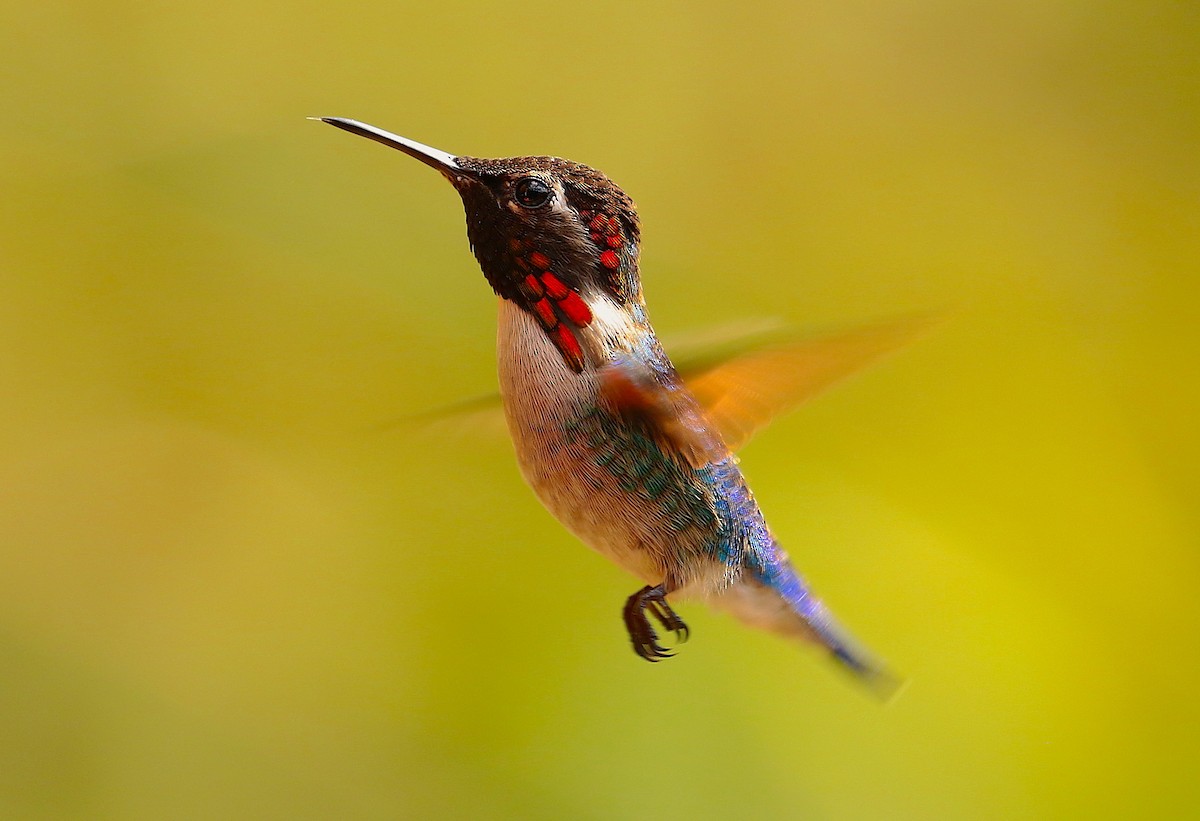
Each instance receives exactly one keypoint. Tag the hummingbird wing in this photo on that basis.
(743, 391)
(656, 396)
(479, 415)
(743, 374)
(482, 414)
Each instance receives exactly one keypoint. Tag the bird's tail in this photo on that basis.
(781, 601)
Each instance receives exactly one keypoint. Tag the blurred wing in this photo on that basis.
(484, 415)
(743, 374)
(744, 393)
(470, 417)
(665, 405)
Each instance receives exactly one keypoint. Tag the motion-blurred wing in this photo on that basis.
(744, 393)
(469, 417)
(743, 374)
(699, 349)
(668, 408)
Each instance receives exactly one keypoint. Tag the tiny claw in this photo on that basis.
(669, 619)
(651, 601)
(660, 652)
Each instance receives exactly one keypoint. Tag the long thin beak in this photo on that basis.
(443, 162)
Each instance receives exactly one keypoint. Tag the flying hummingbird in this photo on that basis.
(636, 462)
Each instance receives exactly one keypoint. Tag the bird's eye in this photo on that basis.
(533, 192)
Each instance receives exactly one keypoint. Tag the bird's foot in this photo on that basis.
(652, 600)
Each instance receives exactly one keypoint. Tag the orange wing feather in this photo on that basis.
(756, 374)
(743, 394)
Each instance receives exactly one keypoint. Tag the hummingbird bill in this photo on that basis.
(632, 455)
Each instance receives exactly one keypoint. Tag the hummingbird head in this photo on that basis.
(551, 235)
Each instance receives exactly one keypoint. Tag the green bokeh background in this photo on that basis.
(226, 592)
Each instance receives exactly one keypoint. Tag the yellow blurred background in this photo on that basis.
(228, 589)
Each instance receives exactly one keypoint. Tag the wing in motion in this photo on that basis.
(743, 393)
(743, 376)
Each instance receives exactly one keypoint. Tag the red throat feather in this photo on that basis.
(533, 286)
(554, 286)
(568, 346)
(545, 314)
(559, 309)
(575, 309)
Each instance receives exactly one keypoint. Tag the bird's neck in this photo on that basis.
(537, 383)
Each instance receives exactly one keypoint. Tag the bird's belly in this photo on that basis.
(563, 450)
(592, 506)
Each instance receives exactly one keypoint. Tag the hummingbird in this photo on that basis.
(635, 461)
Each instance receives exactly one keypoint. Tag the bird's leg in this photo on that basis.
(641, 632)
